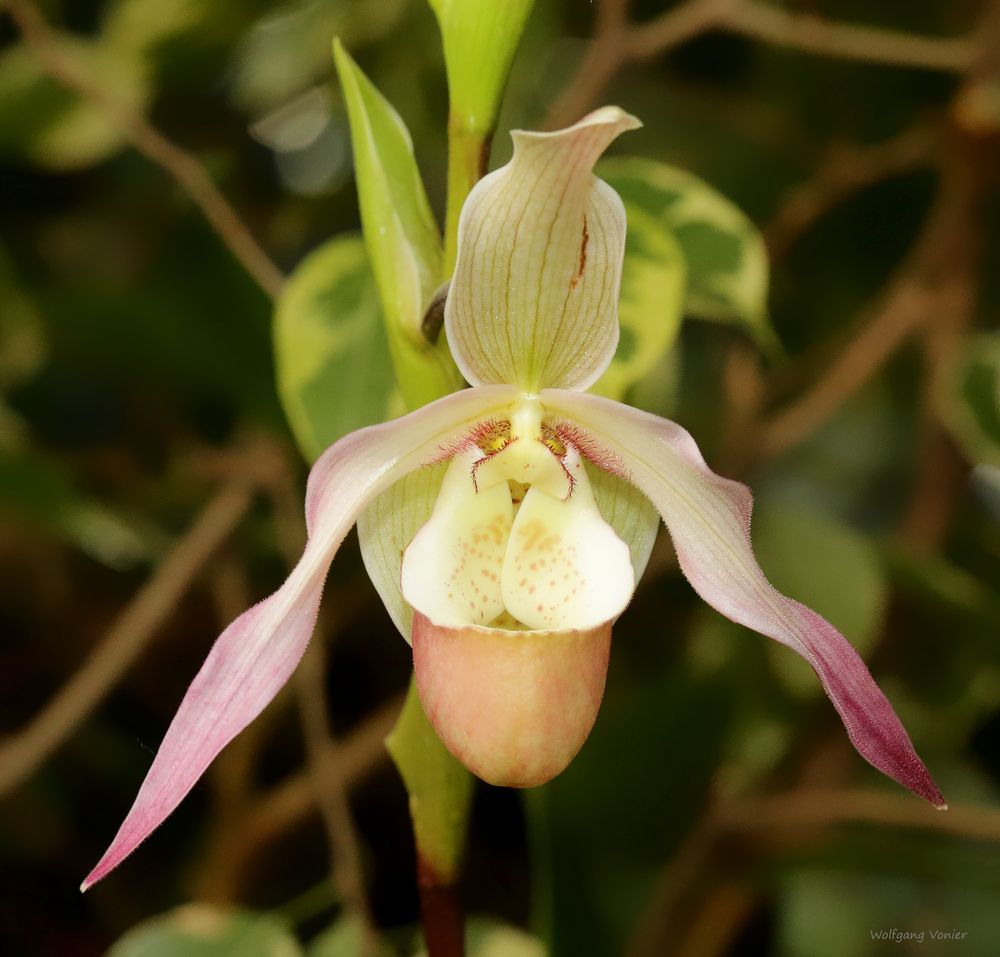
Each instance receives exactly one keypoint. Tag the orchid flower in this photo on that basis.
(481, 516)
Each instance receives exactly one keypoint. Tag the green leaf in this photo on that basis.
(23, 345)
(47, 124)
(345, 938)
(486, 937)
(651, 305)
(332, 357)
(827, 566)
(491, 938)
(880, 909)
(135, 28)
(479, 44)
(970, 401)
(400, 233)
(39, 490)
(439, 787)
(659, 390)
(727, 274)
(200, 930)
(287, 51)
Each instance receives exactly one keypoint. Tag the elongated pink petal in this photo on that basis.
(254, 657)
(709, 521)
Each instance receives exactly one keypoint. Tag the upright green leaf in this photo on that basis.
(331, 352)
(652, 301)
(479, 44)
(400, 234)
(727, 271)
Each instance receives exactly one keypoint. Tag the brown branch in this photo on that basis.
(677, 888)
(848, 41)
(924, 285)
(136, 626)
(844, 171)
(715, 925)
(183, 166)
(290, 803)
(829, 808)
(683, 908)
(676, 26)
(330, 788)
(618, 43)
(903, 309)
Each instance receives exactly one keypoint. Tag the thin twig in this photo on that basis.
(716, 923)
(765, 825)
(618, 43)
(848, 41)
(676, 26)
(183, 166)
(290, 803)
(924, 284)
(330, 785)
(903, 309)
(136, 626)
(845, 171)
(680, 881)
(828, 808)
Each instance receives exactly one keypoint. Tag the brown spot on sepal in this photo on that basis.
(581, 264)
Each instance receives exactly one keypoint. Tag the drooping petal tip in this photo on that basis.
(254, 657)
(709, 521)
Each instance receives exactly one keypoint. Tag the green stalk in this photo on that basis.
(468, 158)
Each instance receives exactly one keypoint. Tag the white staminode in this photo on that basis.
(551, 564)
(452, 567)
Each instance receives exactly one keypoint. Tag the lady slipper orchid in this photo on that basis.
(502, 524)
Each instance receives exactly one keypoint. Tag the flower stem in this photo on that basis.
(440, 913)
(468, 157)
(440, 791)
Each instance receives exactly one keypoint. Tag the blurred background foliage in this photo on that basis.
(148, 481)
